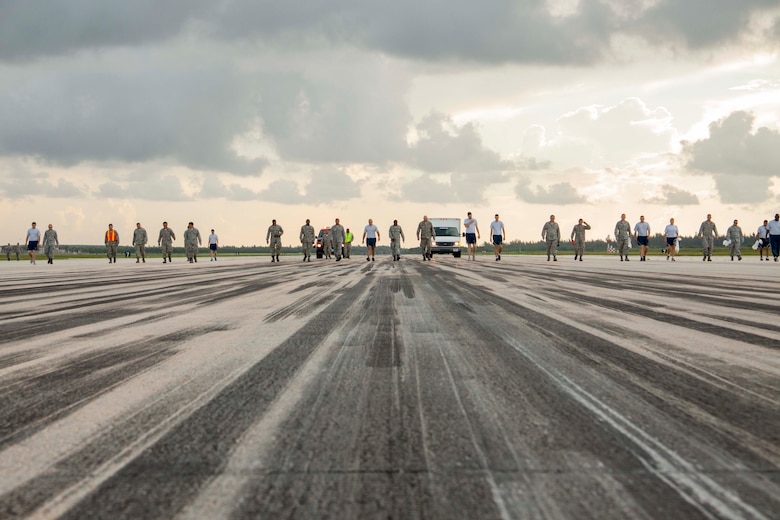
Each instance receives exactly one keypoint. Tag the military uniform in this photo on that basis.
(191, 242)
(111, 242)
(337, 235)
(8, 251)
(578, 236)
(734, 233)
(551, 234)
(327, 244)
(706, 231)
(425, 234)
(17, 251)
(623, 237)
(165, 241)
(275, 233)
(140, 238)
(50, 241)
(396, 234)
(307, 241)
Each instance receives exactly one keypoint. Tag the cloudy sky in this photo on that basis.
(233, 112)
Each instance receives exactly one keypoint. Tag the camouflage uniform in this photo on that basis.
(165, 241)
(396, 234)
(623, 237)
(706, 231)
(551, 233)
(337, 235)
(275, 233)
(111, 243)
(578, 235)
(327, 244)
(17, 251)
(191, 242)
(734, 233)
(425, 233)
(8, 251)
(140, 238)
(50, 241)
(307, 240)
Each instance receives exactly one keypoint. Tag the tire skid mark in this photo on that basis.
(699, 490)
(165, 477)
(651, 313)
(760, 418)
(300, 307)
(530, 426)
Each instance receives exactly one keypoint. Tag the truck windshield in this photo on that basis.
(446, 231)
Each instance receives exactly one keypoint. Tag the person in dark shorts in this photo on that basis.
(472, 234)
(642, 237)
(33, 238)
(671, 233)
(499, 235)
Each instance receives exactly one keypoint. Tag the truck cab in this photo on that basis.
(448, 236)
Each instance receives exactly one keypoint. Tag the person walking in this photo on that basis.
(327, 243)
(396, 234)
(274, 237)
(370, 236)
(735, 238)
(18, 251)
(165, 241)
(578, 237)
(708, 233)
(140, 239)
(671, 234)
(192, 241)
(425, 234)
(111, 240)
(762, 235)
(623, 236)
(551, 234)
(498, 233)
(472, 234)
(774, 235)
(348, 238)
(32, 241)
(642, 237)
(307, 240)
(337, 235)
(8, 249)
(213, 246)
(50, 242)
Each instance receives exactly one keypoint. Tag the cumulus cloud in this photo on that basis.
(561, 193)
(602, 135)
(733, 151)
(443, 147)
(673, 196)
(15, 187)
(165, 188)
(329, 185)
(283, 192)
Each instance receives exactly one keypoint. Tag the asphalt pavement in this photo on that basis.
(446, 389)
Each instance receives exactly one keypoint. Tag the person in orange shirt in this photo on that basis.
(111, 241)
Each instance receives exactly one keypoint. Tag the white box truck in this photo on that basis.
(448, 236)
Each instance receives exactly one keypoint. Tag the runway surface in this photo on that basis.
(446, 389)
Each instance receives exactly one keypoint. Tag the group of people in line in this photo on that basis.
(338, 239)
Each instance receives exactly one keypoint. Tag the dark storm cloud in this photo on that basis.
(697, 23)
(433, 30)
(30, 29)
(133, 112)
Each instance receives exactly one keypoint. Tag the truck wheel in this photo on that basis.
(456, 255)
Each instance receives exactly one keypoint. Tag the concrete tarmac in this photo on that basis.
(447, 389)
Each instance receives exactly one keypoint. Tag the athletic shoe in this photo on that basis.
(372, 258)
(368, 259)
